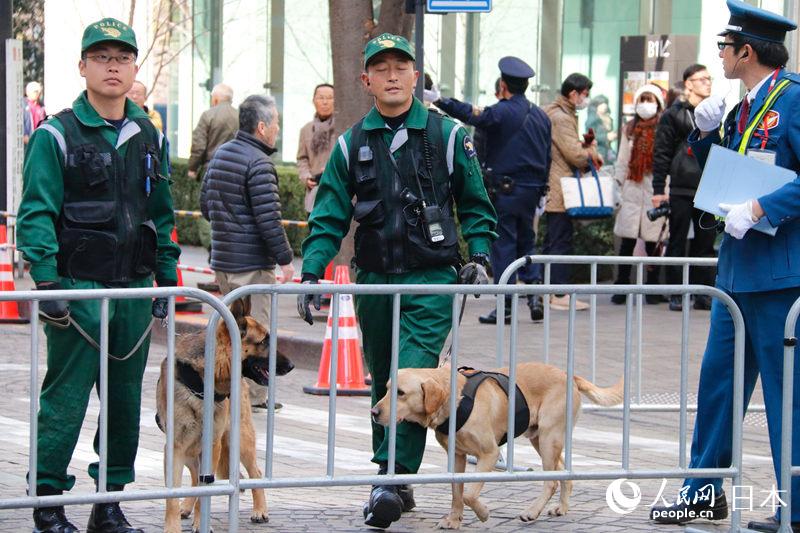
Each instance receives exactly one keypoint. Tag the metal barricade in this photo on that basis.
(270, 480)
(593, 261)
(511, 474)
(229, 489)
(788, 471)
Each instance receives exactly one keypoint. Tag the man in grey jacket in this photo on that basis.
(240, 199)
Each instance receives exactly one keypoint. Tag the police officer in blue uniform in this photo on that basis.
(759, 271)
(517, 163)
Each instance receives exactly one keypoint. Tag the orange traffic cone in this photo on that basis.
(182, 305)
(350, 375)
(9, 311)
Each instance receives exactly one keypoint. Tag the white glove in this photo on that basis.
(708, 113)
(739, 218)
(540, 207)
(431, 95)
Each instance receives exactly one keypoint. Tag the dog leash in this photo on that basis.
(446, 359)
(96, 346)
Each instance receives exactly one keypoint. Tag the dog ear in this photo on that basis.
(433, 396)
(240, 308)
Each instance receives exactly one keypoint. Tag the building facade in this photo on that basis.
(283, 48)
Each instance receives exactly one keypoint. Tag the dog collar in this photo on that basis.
(193, 381)
(474, 377)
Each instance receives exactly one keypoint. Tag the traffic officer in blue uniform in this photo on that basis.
(516, 168)
(760, 272)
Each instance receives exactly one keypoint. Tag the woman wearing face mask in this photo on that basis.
(634, 174)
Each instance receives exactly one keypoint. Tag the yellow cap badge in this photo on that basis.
(111, 32)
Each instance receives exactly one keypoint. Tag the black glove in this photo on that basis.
(160, 308)
(474, 272)
(161, 305)
(54, 312)
(304, 300)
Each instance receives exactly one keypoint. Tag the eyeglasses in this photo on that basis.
(722, 44)
(703, 79)
(122, 59)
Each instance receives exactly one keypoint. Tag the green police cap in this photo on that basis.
(108, 30)
(385, 42)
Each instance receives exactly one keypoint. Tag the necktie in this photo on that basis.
(743, 114)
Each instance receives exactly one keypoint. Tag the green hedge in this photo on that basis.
(596, 238)
(196, 231)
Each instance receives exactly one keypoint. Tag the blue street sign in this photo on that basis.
(459, 6)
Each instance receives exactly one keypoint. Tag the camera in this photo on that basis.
(658, 212)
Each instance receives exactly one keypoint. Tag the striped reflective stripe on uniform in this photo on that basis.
(129, 129)
(59, 137)
(773, 95)
(343, 147)
(399, 139)
(451, 148)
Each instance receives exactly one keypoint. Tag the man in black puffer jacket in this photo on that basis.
(240, 199)
(672, 156)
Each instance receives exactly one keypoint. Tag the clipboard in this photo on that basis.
(732, 178)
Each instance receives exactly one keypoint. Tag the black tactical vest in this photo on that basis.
(104, 231)
(391, 237)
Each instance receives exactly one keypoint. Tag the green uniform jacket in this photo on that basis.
(43, 194)
(330, 219)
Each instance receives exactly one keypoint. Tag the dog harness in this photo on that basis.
(193, 381)
(522, 415)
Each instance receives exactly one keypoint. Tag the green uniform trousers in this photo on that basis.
(425, 322)
(73, 368)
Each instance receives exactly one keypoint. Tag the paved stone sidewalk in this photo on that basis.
(301, 428)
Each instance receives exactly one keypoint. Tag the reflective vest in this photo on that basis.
(394, 232)
(104, 231)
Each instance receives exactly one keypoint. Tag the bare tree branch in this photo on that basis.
(131, 12)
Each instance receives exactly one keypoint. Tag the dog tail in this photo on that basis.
(605, 396)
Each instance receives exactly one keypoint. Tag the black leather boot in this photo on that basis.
(491, 316)
(771, 525)
(385, 503)
(108, 517)
(536, 306)
(52, 520)
(406, 493)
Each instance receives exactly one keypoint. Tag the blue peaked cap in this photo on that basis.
(514, 67)
(750, 21)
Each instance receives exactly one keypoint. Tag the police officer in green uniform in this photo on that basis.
(96, 212)
(409, 169)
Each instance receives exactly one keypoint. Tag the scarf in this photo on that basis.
(643, 134)
(321, 135)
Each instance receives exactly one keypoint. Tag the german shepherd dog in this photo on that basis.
(188, 407)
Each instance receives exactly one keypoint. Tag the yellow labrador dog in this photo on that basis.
(423, 397)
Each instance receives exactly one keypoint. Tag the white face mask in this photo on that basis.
(646, 110)
(583, 104)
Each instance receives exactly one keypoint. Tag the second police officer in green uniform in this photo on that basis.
(96, 212)
(411, 170)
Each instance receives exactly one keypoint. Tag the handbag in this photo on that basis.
(590, 196)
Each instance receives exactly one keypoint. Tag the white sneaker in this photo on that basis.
(561, 303)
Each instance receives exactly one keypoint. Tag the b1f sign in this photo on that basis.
(658, 48)
(459, 6)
